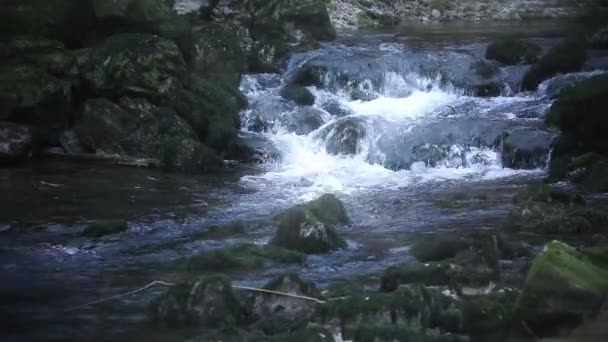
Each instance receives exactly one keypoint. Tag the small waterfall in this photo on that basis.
(381, 119)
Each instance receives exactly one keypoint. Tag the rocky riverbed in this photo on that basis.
(275, 176)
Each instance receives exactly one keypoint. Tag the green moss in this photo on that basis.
(547, 194)
(105, 228)
(438, 247)
(562, 287)
(512, 51)
(568, 56)
(206, 301)
(431, 274)
(240, 257)
(222, 231)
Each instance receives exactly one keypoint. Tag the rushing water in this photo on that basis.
(394, 130)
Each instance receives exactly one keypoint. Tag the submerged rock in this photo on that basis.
(298, 94)
(567, 56)
(344, 136)
(309, 227)
(563, 287)
(302, 121)
(206, 302)
(511, 51)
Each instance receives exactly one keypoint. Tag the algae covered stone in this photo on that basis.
(309, 227)
(240, 257)
(511, 51)
(207, 301)
(563, 286)
(567, 56)
(137, 64)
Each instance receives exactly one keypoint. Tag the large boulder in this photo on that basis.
(563, 287)
(137, 64)
(208, 301)
(136, 128)
(579, 112)
(31, 95)
(567, 56)
(218, 52)
(511, 51)
(309, 227)
(526, 148)
(15, 141)
(344, 136)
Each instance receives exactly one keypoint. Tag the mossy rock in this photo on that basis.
(31, 95)
(438, 247)
(412, 307)
(281, 312)
(135, 128)
(579, 112)
(218, 50)
(541, 209)
(563, 286)
(309, 227)
(566, 57)
(588, 172)
(207, 301)
(511, 51)
(136, 64)
(240, 257)
(100, 229)
(545, 193)
(430, 274)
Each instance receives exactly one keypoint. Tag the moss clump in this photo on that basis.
(542, 209)
(309, 228)
(100, 229)
(511, 51)
(562, 287)
(567, 56)
(222, 231)
(431, 274)
(207, 301)
(240, 257)
(438, 247)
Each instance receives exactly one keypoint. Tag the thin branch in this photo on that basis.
(279, 293)
(120, 295)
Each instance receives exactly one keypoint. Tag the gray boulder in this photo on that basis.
(526, 148)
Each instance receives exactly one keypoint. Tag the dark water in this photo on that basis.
(46, 267)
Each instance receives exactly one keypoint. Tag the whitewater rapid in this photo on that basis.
(306, 169)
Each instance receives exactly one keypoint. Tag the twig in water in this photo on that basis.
(279, 293)
(120, 295)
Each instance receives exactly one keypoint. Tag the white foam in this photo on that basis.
(307, 169)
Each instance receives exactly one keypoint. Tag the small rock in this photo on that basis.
(436, 13)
